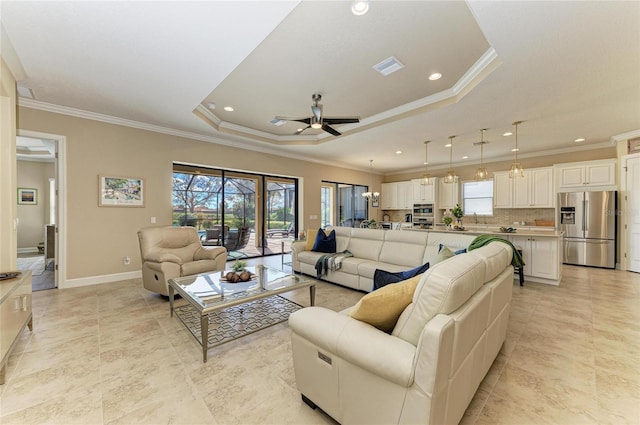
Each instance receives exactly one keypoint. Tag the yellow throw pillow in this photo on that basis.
(311, 239)
(382, 307)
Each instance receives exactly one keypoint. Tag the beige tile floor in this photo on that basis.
(110, 354)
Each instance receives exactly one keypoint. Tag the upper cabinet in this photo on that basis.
(534, 190)
(589, 175)
(424, 193)
(396, 196)
(447, 194)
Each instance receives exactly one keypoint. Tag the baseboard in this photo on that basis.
(96, 280)
(28, 250)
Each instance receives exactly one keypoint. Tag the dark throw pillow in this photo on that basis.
(383, 277)
(325, 243)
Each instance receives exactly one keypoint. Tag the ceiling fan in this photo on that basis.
(318, 121)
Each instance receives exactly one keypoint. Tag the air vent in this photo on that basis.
(25, 92)
(277, 122)
(388, 66)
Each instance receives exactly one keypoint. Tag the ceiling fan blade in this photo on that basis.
(300, 130)
(341, 120)
(302, 120)
(317, 111)
(326, 127)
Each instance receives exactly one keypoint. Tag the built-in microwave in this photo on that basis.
(423, 210)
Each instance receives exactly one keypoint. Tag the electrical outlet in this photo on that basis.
(126, 261)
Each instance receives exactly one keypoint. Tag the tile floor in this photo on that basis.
(110, 354)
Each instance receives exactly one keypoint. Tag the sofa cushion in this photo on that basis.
(443, 288)
(325, 242)
(443, 254)
(403, 248)
(455, 251)
(382, 308)
(366, 243)
(382, 277)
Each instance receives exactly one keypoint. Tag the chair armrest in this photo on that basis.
(209, 253)
(162, 257)
(357, 343)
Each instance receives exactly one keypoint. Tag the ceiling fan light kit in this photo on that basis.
(317, 121)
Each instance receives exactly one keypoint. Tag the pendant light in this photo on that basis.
(516, 169)
(451, 175)
(481, 173)
(425, 177)
(371, 195)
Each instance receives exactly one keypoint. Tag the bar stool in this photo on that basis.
(520, 270)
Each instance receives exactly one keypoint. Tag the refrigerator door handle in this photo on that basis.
(585, 218)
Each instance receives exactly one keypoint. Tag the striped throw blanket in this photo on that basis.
(331, 262)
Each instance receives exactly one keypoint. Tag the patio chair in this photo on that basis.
(213, 236)
(282, 232)
(235, 240)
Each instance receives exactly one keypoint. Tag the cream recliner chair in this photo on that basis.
(168, 252)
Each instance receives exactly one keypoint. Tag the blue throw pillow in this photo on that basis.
(383, 277)
(325, 243)
(460, 251)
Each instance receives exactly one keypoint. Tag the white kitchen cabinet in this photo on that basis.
(586, 175)
(541, 256)
(502, 190)
(404, 195)
(534, 190)
(447, 194)
(396, 196)
(424, 194)
(388, 193)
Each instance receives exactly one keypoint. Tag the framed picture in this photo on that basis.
(633, 146)
(120, 192)
(27, 196)
(375, 202)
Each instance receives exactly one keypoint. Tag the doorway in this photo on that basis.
(39, 171)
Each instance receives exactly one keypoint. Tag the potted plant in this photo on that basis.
(458, 214)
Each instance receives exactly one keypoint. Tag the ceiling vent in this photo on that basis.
(25, 92)
(388, 66)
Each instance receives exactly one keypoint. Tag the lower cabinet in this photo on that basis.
(15, 314)
(541, 256)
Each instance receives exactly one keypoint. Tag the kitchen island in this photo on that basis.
(541, 249)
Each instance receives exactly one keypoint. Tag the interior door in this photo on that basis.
(633, 213)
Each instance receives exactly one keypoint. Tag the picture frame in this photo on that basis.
(27, 196)
(114, 191)
(375, 202)
(633, 146)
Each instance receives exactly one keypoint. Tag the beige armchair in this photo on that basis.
(168, 252)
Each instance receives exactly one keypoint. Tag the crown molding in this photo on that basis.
(625, 136)
(234, 142)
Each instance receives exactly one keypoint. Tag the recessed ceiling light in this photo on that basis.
(448, 145)
(211, 105)
(508, 133)
(465, 157)
(398, 152)
(425, 163)
(579, 140)
(435, 76)
(228, 108)
(299, 130)
(359, 7)
(277, 122)
(515, 150)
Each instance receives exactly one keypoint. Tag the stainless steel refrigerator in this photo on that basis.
(588, 220)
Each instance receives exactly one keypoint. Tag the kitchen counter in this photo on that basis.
(546, 232)
(541, 248)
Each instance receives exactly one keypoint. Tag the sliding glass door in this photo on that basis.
(249, 214)
(349, 206)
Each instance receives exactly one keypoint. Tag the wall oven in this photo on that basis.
(423, 215)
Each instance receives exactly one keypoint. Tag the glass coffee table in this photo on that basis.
(208, 293)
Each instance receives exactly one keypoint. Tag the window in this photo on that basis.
(477, 197)
(343, 204)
